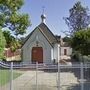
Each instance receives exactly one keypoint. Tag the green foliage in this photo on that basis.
(81, 41)
(8, 38)
(78, 19)
(86, 58)
(12, 4)
(15, 45)
(11, 42)
(21, 40)
(14, 21)
(2, 44)
(5, 76)
(67, 39)
(19, 22)
(11, 18)
(76, 56)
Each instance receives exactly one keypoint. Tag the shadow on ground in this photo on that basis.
(78, 86)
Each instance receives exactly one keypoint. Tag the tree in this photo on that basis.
(66, 39)
(11, 18)
(8, 38)
(2, 44)
(21, 40)
(78, 19)
(81, 42)
(11, 41)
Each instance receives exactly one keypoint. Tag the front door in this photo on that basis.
(37, 54)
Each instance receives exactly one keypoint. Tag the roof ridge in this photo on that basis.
(48, 29)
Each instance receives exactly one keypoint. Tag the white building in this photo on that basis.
(66, 51)
(41, 45)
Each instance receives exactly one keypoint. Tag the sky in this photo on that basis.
(54, 10)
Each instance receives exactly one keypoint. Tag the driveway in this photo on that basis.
(46, 81)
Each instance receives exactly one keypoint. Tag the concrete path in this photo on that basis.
(46, 81)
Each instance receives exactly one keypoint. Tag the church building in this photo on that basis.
(41, 45)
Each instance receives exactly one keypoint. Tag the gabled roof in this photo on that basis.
(46, 32)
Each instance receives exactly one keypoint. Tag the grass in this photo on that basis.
(5, 76)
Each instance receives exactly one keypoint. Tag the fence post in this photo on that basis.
(11, 76)
(58, 76)
(82, 76)
(36, 75)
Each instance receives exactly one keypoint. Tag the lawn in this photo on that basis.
(5, 76)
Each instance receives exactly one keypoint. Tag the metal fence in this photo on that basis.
(45, 76)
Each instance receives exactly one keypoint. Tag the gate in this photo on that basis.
(44, 76)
